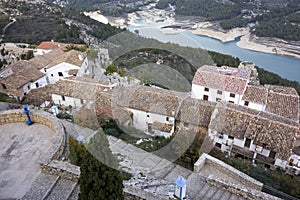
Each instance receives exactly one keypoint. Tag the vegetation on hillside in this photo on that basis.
(272, 18)
(4, 20)
(185, 60)
(41, 22)
(6, 98)
(115, 8)
(97, 180)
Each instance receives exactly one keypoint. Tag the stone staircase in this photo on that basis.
(52, 187)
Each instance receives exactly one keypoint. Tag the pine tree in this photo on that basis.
(97, 179)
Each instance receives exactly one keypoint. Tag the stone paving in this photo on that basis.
(21, 149)
(61, 190)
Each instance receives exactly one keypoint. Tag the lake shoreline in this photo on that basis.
(247, 40)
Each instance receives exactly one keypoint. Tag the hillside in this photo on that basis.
(107, 7)
(279, 18)
(37, 22)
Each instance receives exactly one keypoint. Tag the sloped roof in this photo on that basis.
(77, 89)
(265, 130)
(150, 99)
(23, 72)
(226, 78)
(195, 111)
(283, 101)
(51, 45)
(41, 61)
(72, 57)
(256, 94)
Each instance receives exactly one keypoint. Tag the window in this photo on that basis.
(232, 95)
(63, 98)
(219, 92)
(231, 102)
(247, 143)
(60, 74)
(272, 154)
(246, 103)
(3, 85)
(37, 84)
(221, 135)
(218, 99)
(218, 145)
(167, 119)
(205, 97)
(206, 89)
(186, 124)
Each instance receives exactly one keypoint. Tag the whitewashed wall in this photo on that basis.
(52, 73)
(253, 105)
(199, 91)
(142, 118)
(69, 101)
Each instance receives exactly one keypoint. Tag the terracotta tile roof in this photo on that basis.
(226, 79)
(283, 101)
(23, 72)
(72, 57)
(283, 90)
(41, 61)
(51, 45)
(195, 111)
(77, 89)
(256, 94)
(263, 129)
(150, 99)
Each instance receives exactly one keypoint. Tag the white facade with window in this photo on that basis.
(214, 95)
(68, 101)
(226, 142)
(58, 72)
(143, 120)
(253, 105)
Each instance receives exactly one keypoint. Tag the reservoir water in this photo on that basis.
(285, 66)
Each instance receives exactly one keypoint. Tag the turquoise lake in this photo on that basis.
(285, 66)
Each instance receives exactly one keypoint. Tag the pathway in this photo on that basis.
(160, 172)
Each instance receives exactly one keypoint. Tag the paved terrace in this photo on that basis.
(21, 149)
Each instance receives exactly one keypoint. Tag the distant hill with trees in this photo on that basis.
(280, 19)
(44, 22)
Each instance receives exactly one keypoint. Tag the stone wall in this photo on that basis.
(63, 169)
(40, 117)
(142, 194)
(228, 170)
(239, 190)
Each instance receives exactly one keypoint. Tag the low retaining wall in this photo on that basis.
(228, 170)
(40, 117)
(63, 169)
(239, 190)
(142, 194)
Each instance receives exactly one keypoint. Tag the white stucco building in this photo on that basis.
(76, 93)
(152, 109)
(216, 84)
(259, 136)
